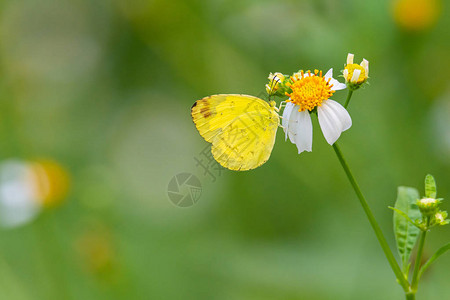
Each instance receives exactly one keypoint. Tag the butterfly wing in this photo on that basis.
(241, 128)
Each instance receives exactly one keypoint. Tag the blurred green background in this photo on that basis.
(104, 88)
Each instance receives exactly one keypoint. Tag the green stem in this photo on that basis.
(415, 278)
(349, 95)
(410, 296)
(381, 239)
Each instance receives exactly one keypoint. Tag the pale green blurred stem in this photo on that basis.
(51, 255)
(381, 239)
(415, 278)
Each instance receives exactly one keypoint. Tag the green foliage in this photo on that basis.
(118, 78)
(406, 233)
(430, 186)
(435, 256)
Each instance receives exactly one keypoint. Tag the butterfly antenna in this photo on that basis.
(272, 85)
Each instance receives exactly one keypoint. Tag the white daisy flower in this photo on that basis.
(310, 91)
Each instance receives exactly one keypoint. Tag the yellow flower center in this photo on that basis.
(351, 68)
(309, 91)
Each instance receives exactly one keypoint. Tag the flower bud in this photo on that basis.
(355, 75)
(428, 206)
(440, 218)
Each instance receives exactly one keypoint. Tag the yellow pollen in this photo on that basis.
(351, 68)
(310, 91)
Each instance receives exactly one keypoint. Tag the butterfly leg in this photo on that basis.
(279, 125)
(282, 104)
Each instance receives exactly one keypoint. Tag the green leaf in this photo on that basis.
(406, 233)
(415, 223)
(435, 256)
(430, 187)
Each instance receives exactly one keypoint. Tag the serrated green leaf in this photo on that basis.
(430, 187)
(406, 233)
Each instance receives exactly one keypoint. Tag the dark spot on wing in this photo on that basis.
(205, 111)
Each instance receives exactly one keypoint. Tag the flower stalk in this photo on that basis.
(376, 228)
(415, 278)
(349, 96)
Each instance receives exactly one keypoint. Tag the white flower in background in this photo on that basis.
(26, 188)
(17, 195)
(355, 74)
(312, 91)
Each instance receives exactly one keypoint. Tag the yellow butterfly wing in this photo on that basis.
(241, 129)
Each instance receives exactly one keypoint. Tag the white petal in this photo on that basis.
(297, 76)
(286, 116)
(333, 120)
(293, 123)
(355, 76)
(329, 74)
(350, 59)
(345, 73)
(337, 85)
(276, 78)
(302, 131)
(365, 65)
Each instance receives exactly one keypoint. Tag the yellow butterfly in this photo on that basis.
(241, 129)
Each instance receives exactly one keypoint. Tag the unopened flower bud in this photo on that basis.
(355, 75)
(428, 206)
(440, 218)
